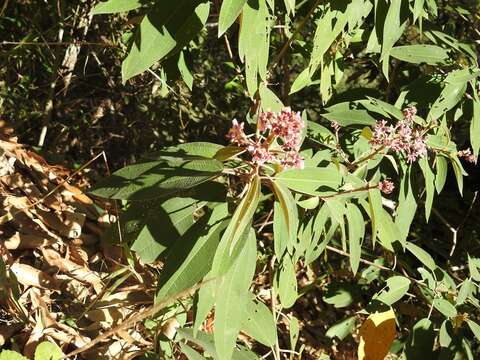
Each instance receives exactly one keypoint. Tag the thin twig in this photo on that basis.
(287, 44)
(136, 318)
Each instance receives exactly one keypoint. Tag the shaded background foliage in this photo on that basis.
(94, 111)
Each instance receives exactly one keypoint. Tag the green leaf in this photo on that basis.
(441, 165)
(350, 117)
(309, 180)
(356, 232)
(154, 179)
(259, 323)
(444, 307)
(339, 295)
(190, 258)
(376, 210)
(465, 291)
(190, 353)
(229, 12)
(417, 9)
(294, 331)
(445, 335)
(201, 339)
(236, 229)
(424, 257)
(475, 328)
(475, 127)
(169, 26)
(290, 6)
(342, 329)
(11, 355)
(473, 266)
(407, 206)
(416, 54)
(421, 341)
(392, 31)
(450, 96)
(254, 42)
(429, 185)
(206, 300)
(155, 226)
(397, 288)
(116, 6)
(287, 282)
(285, 221)
(48, 351)
(232, 300)
(269, 101)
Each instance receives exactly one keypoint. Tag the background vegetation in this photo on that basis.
(63, 91)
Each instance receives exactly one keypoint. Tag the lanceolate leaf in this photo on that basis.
(259, 323)
(444, 307)
(425, 258)
(253, 43)
(376, 210)
(356, 231)
(350, 117)
(429, 185)
(232, 300)
(429, 54)
(237, 228)
(116, 6)
(310, 180)
(288, 210)
(155, 227)
(287, 282)
(190, 259)
(475, 328)
(397, 288)
(475, 126)
(407, 206)
(168, 26)
(392, 31)
(154, 179)
(228, 13)
(451, 94)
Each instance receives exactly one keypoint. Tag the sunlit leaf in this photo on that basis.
(232, 300)
(376, 335)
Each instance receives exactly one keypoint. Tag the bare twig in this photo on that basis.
(136, 318)
(287, 44)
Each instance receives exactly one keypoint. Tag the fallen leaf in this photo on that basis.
(29, 276)
(376, 335)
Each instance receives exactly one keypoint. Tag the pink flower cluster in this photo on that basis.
(386, 186)
(286, 126)
(402, 137)
(467, 155)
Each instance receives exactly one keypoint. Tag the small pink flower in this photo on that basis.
(467, 155)
(236, 133)
(335, 126)
(402, 137)
(409, 113)
(386, 186)
(285, 125)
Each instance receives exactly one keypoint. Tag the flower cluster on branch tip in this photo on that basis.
(402, 137)
(283, 128)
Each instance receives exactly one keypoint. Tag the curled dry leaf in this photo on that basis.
(20, 241)
(376, 335)
(170, 327)
(78, 272)
(29, 276)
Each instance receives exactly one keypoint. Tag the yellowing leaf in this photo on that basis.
(376, 335)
